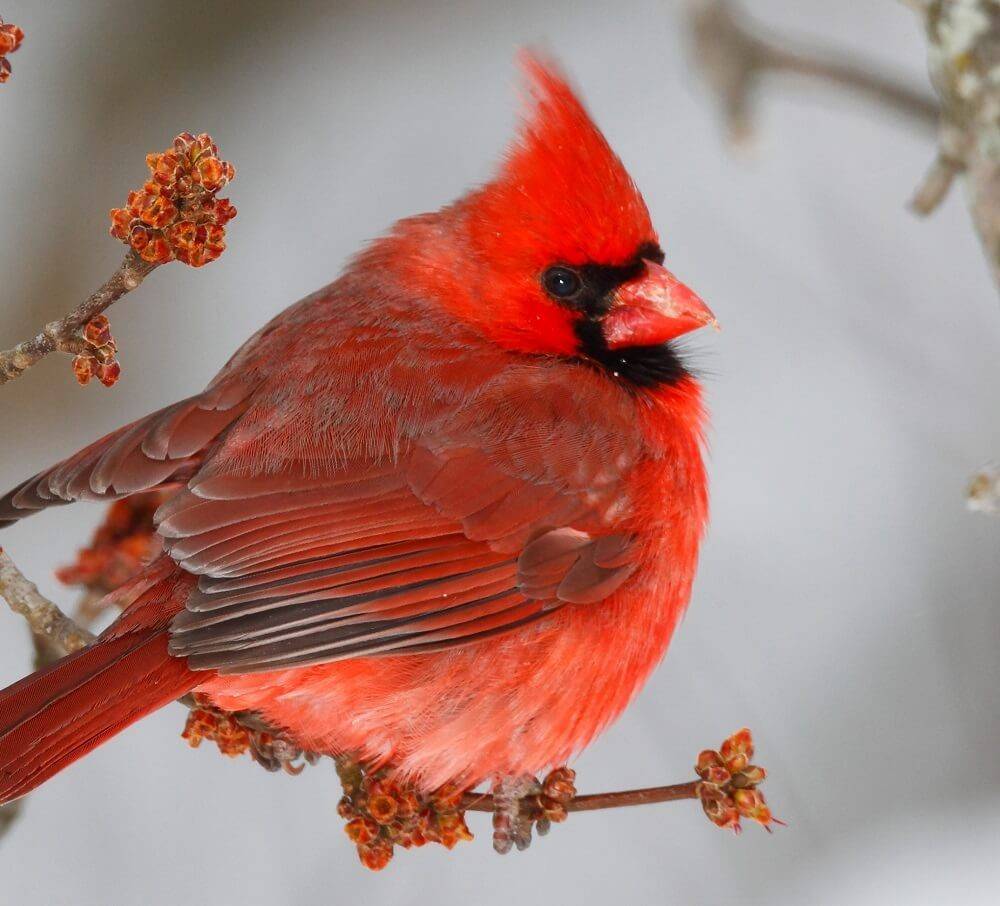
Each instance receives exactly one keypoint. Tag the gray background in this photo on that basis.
(846, 607)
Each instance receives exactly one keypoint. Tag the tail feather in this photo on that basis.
(51, 718)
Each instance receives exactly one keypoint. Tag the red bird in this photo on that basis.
(443, 514)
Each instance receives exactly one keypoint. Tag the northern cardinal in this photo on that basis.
(443, 514)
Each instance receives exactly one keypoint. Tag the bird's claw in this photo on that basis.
(522, 804)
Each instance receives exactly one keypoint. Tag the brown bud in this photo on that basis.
(707, 761)
(83, 367)
(719, 807)
(749, 777)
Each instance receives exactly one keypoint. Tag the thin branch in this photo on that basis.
(483, 802)
(53, 633)
(44, 617)
(64, 335)
(733, 59)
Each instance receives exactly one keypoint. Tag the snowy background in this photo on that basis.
(847, 604)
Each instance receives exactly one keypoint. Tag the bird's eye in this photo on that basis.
(562, 282)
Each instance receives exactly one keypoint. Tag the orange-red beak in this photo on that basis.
(654, 308)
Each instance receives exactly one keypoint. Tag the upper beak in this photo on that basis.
(654, 308)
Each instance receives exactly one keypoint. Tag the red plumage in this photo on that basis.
(428, 515)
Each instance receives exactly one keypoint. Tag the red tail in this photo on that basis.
(55, 716)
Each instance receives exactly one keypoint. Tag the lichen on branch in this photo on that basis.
(963, 40)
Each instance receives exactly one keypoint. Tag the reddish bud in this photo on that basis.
(751, 804)
(109, 372)
(376, 855)
(10, 38)
(176, 213)
(737, 751)
(83, 368)
(718, 806)
(707, 761)
(97, 331)
(382, 808)
(749, 777)
(361, 830)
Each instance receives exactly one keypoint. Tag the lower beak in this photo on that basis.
(654, 308)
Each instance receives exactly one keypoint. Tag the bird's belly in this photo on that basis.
(514, 704)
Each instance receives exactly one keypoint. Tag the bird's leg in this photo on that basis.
(514, 807)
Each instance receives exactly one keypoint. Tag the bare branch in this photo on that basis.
(44, 617)
(734, 59)
(64, 335)
(52, 631)
(483, 802)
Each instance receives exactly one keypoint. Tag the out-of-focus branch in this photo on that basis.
(734, 59)
(964, 56)
(43, 616)
(64, 335)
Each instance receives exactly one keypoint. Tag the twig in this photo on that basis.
(733, 60)
(64, 335)
(44, 617)
(483, 802)
(52, 631)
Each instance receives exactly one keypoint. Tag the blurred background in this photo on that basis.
(846, 608)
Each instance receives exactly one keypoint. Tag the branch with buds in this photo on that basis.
(176, 215)
(381, 812)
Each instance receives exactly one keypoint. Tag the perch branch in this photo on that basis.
(44, 617)
(64, 335)
(483, 802)
(51, 630)
(733, 60)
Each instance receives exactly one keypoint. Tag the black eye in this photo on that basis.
(562, 282)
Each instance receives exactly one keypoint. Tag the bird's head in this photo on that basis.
(557, 254)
